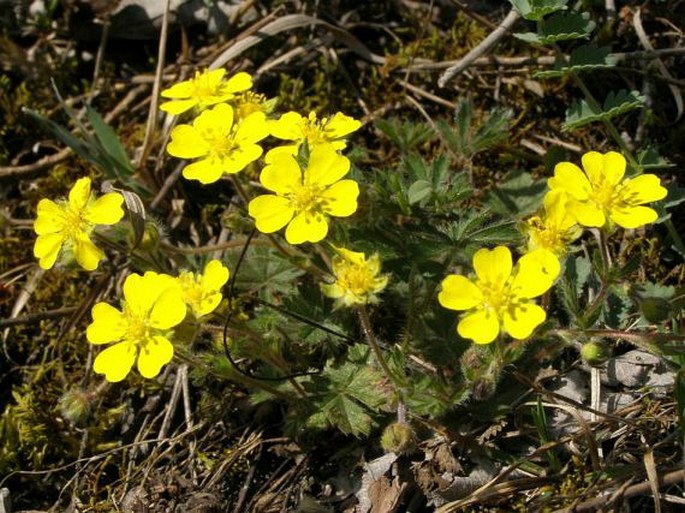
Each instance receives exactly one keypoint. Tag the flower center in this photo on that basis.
(497, 298)
(204, 88)
(249, 102)
(546, 235)
(313, 131)
(193, 292)
(358, 280)
(221, 144)
(306, 198)
(138, 329)
(606, 196)
(74, 223)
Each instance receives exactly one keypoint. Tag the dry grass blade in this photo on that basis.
(644, 40)
(290, 22)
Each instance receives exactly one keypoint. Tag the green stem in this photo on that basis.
(365, 322)
(600, 235)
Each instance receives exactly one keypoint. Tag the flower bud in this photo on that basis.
(75, 405)
(398, 437)
(483, 388)
(595, 353)
(150, 238)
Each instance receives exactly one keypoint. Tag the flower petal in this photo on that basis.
(168, 310)
(217, 120)
(341, 125)
(459, 293)
(187, 143)
(535, 273)
(340, 199)
(306, 227)
(87, 254)
(282, 175)
(239, 82)
(176, 107)
(270, 212)
(587, 213)
(607, 168)
(46, 249)
(252, 129)
(79, 194)
(139, 295)
(288, 126)
(215, 275)
(106, 209)
(116, 361)
(493, 266)
(181, 90)
(633, 217)
(568, 176)
(206, 171)
(642, 189)
(288, 149)
(481, 326)
(520, 320)
(156, 353)
(109, 325)
(326, 166)
(240, 157)
(49, 217)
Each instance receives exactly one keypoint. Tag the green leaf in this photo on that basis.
(110, 143)
(519, 196)
(581, 113)
(265, 270)
(80, 147)
(469, 137)
(479, 229)
(584, 58)
(560, 27)
(406, 135)
(535, 10)
(649, 158)
(575, 278)
(346, 395)
(655, 301)
(419, 190)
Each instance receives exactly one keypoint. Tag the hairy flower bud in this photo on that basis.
(595, 353)
(398, 437)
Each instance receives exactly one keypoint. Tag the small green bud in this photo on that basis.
(399, 438)
(595, 353)
(150, 239)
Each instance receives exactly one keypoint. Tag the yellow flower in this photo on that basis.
(291, 126)
(357, 279)
(69, 224)
(221, 145)
(303, 198)
(556, 228)
(500, 297)
(205, 89)
(248, 102)
(202, 292)
(601, 195)
(152, 305)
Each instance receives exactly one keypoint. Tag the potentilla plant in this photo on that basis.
(334, 289)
